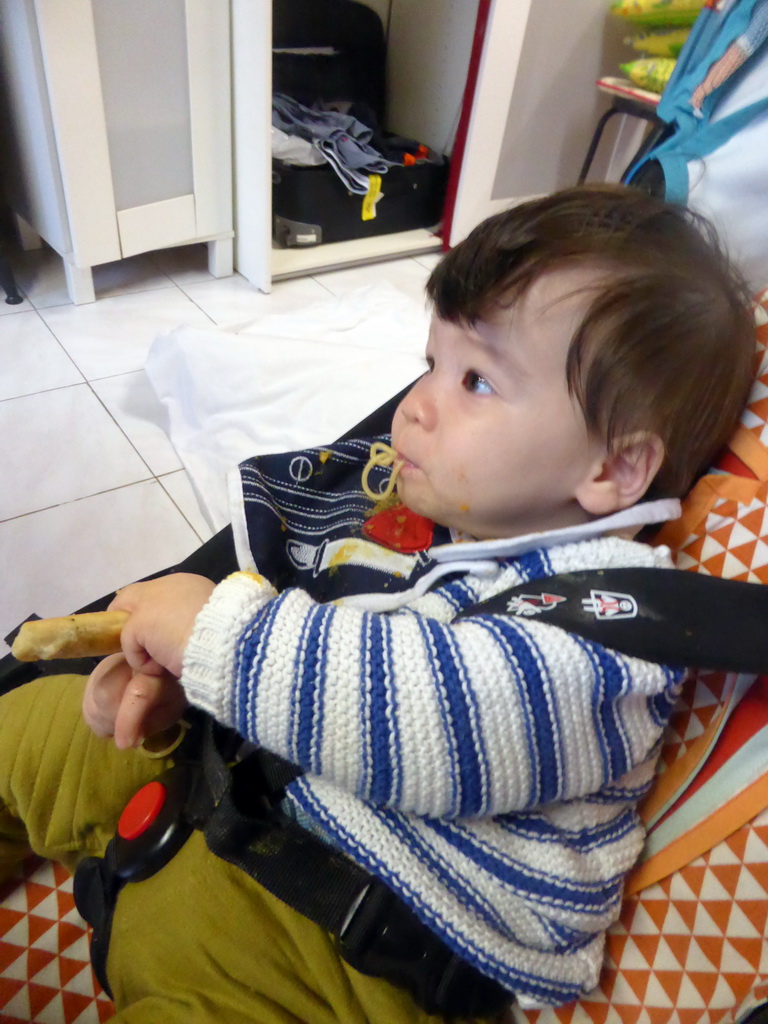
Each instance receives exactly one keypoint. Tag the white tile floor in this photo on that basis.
(93, 494)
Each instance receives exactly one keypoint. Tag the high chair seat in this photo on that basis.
(45, 966)
(689, 947)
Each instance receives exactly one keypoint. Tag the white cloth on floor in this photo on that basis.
(284, 381)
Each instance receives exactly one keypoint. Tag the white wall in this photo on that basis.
(555, 105)
(430, 42)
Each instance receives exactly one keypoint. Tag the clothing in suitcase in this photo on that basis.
(354, 179)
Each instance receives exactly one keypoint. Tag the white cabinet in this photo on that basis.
(120, 127)
(515, 77)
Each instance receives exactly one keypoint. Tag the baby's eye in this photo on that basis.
(476, 384)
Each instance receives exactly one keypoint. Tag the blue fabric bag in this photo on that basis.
(714, 150)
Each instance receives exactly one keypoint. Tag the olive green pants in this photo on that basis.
(199, 941)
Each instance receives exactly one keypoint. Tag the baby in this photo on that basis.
(587, 350)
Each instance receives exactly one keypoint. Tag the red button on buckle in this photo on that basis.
(141, 810)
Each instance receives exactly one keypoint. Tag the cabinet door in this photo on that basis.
(68, 48)
(140, 97)
(498, 44)
(532, 103)
(252, 141)
(31, 170)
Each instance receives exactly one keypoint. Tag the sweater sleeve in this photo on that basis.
(485, 715)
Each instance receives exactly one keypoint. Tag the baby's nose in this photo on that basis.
(419, 406)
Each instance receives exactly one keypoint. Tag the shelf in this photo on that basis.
(337, 255)
(623, 87)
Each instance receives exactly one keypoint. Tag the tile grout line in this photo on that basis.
(58, 387)
(323, 285)
(88, 382)
(102, 297)
(114, 420)
(176, 504)
(84, 497)
(59, 343)
(197, 304)
(45, 391)
(158, 479)
(152, 476)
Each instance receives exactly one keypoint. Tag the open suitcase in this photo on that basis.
(310, 204)
(332, 53)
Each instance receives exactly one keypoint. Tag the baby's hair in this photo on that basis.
(666, 344)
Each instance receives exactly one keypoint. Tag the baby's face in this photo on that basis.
(491, 441)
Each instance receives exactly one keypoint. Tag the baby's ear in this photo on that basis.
(621, 477)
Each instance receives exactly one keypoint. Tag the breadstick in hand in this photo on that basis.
(90, 635)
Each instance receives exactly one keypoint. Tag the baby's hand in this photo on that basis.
(162, 614)
(137, 693)
(130, 706)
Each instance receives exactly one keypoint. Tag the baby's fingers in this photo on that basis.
(104, 693)
(150, 704)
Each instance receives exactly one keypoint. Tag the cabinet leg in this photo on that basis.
(8, 283)
(28, 237)
(220, 257)
(79, 283)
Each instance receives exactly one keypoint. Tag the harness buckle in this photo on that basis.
(153, 826)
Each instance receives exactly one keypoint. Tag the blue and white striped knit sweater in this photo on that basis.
(487, 769)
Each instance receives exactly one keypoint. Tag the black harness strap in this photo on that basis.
(375, 931)
(236, 806)
(237, 809)
(663, 615)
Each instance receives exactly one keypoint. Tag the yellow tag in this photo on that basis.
(373, 193)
